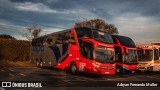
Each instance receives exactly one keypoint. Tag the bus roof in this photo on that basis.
(155, 43)
(67, 31)
(148, 46)
(53, 33)
(42, 38)
(125, 41)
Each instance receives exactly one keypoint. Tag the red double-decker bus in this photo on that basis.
(77, 49)
(125, 54)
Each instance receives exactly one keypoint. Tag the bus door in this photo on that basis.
(118, 58)
(86, 49)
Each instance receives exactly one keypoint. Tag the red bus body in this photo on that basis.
(83, 64)
(121, 66)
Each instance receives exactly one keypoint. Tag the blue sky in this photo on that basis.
(138, 19)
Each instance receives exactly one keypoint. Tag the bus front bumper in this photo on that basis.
(103, 71)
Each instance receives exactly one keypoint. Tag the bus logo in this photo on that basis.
(6, 84)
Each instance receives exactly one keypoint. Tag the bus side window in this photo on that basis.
(87, 50)
(42, 48)
(37, 48)
(72, 40)
(59, 39)
(115, 41)
(32, 48)
(49, 40)
(67, 37)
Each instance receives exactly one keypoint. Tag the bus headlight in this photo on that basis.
(101, 47)
(95, 65)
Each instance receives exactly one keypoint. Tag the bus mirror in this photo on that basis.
(85, 37)
(126, 51)
(122, 50)
(144, 51)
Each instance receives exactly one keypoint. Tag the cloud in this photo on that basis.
(138, 19)
(45, 15)
(140, 28)
(15, 31)
(42, 8)
(35, 7)
(18, 31)
(51, 30)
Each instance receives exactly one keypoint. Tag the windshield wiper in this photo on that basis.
(108, 42)
(99, 39)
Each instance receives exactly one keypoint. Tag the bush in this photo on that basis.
(11, 49)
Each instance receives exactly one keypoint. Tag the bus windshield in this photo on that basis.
(124, 41)
(131, 57)
(94, 34)
(103, 37)
(104, 56)
(148, 56)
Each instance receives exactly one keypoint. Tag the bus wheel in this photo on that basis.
(151, 68)
(73, 68)
(123, 70)
(41, 63)
(37, 62)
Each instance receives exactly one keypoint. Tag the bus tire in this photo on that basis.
(37, 62)
(123, 71)
(41, 63)
(151, 68)
(73, 68)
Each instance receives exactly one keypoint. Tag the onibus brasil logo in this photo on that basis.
(20, 84)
